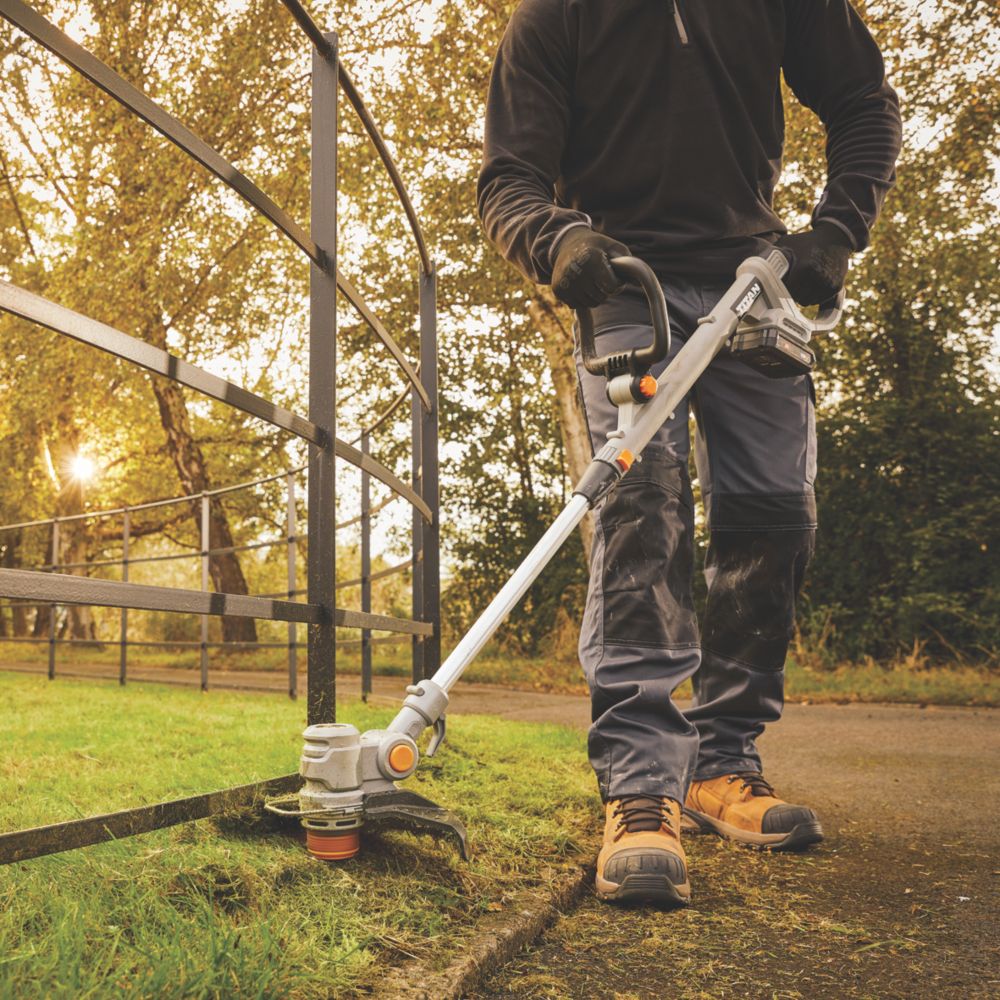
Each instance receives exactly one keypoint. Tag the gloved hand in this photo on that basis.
(818, 262)
(582, 276)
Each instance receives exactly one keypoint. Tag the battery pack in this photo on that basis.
(773, 352)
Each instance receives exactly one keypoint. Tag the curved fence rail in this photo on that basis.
(50, 586)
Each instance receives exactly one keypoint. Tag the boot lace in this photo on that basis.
(752, 780)
(641, 814)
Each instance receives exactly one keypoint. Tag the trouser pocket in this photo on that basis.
(647, 527)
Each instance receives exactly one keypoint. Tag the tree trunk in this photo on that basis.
(80, 622)
(520, 457)
(226, 572)
(557, 336)
(12, 560)
(40, 630)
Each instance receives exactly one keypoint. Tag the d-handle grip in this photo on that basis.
(829, 314)
(830, 311)
(640, 359)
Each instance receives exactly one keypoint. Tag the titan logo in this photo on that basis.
(743, 306)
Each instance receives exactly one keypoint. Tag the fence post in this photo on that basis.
(417, 643)
(322, 651)
(123, 652)
(52, 607)
(205, 540)
(293, 658)
(366, 572)
(430, 565)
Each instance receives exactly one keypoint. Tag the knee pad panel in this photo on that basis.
(754, 577)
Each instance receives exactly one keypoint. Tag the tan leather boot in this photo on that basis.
(743, 807)
(641, 860)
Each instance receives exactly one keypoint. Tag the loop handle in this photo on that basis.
(639, 360)
(830, 312)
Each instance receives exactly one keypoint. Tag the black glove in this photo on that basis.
(582, 276)
(818, 262)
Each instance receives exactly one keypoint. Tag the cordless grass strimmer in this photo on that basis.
(350, 777)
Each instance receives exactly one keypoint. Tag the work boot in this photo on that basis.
(641, 859)
(743, 807)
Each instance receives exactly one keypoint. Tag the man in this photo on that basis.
(655, 127)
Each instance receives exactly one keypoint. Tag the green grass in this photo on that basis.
(900, 683)
(107, 654)
(903, 682)
(231, 907)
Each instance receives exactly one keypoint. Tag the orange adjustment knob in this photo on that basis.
(401, 757)
(647, 386)
(625, 460)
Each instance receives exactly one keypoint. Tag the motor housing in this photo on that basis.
(330, 799)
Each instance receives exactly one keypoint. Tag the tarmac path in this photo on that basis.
(900, 901)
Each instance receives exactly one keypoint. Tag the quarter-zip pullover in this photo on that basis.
(660, 123)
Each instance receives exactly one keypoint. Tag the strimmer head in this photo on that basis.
(330, 801)
(349, 782)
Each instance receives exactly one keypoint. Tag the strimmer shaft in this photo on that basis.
(755, 277)
(513, 590)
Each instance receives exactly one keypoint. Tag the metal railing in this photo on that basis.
(319, 611)
(203, 552)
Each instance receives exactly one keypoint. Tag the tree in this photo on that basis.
(907, 388)
(909, 421)
(510, 411)
(121, 226)
(112, 221)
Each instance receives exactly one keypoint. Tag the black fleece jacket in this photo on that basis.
(660, 123)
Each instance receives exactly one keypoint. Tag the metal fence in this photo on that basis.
(319, 611)
(203, 552)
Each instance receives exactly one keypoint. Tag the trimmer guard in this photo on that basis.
(406, 810)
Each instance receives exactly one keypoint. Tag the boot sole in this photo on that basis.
(655, 889)
(800, 837)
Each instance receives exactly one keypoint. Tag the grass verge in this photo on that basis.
(908, 681)
(230, 907)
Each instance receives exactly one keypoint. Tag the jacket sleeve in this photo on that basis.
(527, 123)
(834, 67)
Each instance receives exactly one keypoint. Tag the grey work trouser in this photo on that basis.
(755, 452)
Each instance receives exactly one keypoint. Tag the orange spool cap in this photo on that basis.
(333, 846)
(401, 757)
(648, 386)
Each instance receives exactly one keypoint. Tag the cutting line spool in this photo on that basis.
(333, 846)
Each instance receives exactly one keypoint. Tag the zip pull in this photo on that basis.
(675, 9)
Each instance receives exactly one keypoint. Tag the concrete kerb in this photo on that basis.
(495, 940)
